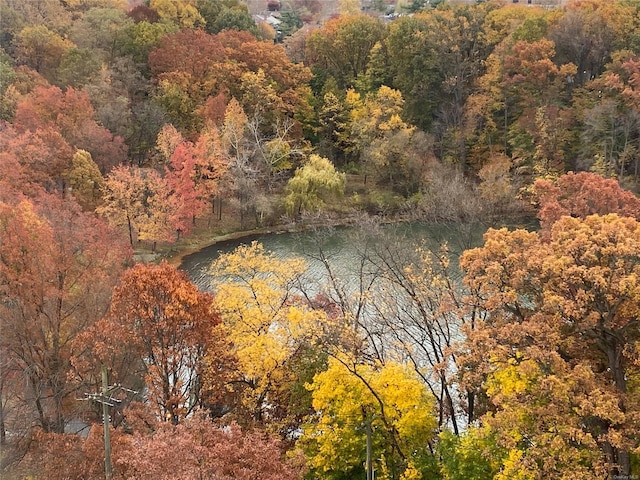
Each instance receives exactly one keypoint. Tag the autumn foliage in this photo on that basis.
(583, 194)
(561, 314)
(163, 325)
(196, 448)
(57, 270)
(199, 449)
(130, 131)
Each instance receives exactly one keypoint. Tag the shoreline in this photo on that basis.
(175, 254)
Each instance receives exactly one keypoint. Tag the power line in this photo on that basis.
(107, 400)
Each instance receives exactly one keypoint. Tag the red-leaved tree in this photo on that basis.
(72, 115)
(199, 449)
(582, 194)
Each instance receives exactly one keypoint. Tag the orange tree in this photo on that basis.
(57, 268)
(557, 351)
(163, 324)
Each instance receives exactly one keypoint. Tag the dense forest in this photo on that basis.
(154, 125)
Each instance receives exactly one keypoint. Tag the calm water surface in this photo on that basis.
(340, 244)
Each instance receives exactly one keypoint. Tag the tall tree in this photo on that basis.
(141, 201)
(456, 38)
(57, 269)
(268, 326)
(84, 180)
(585, 35)
(609, 108)
(412, 66)
(343, 45)
(388, 148)
(181, 180)
(561, 309)
(167, 323)
(212, 166)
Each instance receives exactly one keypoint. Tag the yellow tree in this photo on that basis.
(349, 7)
(268, 326)
(141, 201)
(84, 179)
(167, 141)
(182, 13)
(530, 395)
(383, 140)
(387, 403)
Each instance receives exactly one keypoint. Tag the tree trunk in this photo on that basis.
(3, 430)
(613, 348)
(130, 230)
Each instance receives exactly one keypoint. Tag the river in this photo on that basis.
(342, 245)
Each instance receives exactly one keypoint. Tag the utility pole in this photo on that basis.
(105, 398)
(369, 464)
(105, 423)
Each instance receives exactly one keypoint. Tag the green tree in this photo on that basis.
(142, 37)
(225, 15)
(342, 47)
(472, 455)
(412, 66)
(102, 31)
(41, 49)
(84, 179)
(333, 117)
(312, 185)
(77, 68)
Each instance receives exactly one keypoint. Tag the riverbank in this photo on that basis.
(209, 232)
(358, 205)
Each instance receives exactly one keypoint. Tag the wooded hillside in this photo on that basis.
(143, 126)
